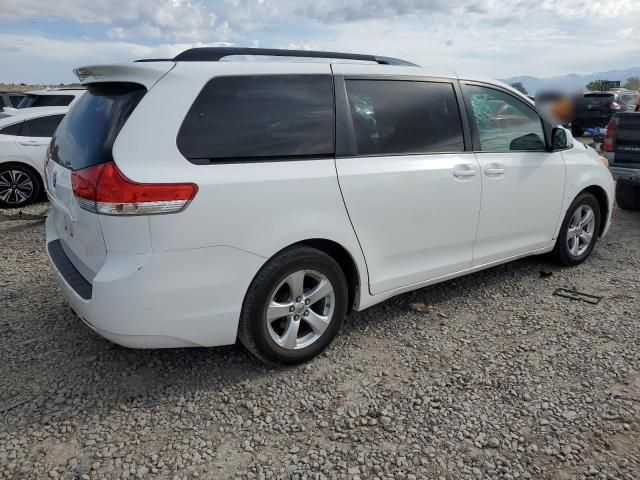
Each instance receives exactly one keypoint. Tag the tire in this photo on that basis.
(628, 195)
(576, 227)
(19, 185)
(271, 333)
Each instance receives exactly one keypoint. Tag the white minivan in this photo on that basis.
(196, 201)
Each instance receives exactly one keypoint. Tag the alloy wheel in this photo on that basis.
(581, 230)
(16, 186)
(300, 309)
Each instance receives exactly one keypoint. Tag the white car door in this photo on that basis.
(522, 183)
(35, 137)
(411, 189)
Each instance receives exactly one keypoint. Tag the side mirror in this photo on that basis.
(559, 140)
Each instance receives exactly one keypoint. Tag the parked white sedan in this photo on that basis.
(24, 138)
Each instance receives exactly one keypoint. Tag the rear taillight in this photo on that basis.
(104, 189)
(615, 106)
(609, 144)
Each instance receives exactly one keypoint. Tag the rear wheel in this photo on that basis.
(628, 195)
(579, 231)
(19, 186)
(294, 307)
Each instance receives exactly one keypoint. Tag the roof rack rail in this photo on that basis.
(215, 54)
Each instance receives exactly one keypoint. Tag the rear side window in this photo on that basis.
(12, 129)
(85, 137)
(396, 117)
(253, 117)
(41, 127)
(53, 101)
(15, 100)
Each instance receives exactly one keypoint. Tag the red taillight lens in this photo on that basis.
(609, 144)
(104, 189)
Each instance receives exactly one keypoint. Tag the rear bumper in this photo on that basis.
(625, 172)
(161, 300)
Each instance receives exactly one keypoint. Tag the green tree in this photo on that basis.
(595, 86)
(518, 86)
(633, 83)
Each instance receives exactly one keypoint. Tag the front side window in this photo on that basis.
(503, 122)
(41, 127)
(263, 116)
(400, 117)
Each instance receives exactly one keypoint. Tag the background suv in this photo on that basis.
(50, 97)
(273, 197)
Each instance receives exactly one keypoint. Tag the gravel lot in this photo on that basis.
(500, 380)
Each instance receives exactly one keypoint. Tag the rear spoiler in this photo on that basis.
(146, 74)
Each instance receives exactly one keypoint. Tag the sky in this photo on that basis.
(42, 41)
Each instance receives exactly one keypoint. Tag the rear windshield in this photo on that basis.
(598, 100)
(30, 101)
(86, 135)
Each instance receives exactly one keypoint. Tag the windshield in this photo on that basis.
(86, 135)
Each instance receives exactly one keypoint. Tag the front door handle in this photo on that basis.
(495, 169)
(464, 171)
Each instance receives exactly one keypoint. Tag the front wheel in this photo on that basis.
(579, 231)
(294, 307)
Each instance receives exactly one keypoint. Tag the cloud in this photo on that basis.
(176, 19)
(495, 37)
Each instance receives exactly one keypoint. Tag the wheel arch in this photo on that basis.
(342, 256)
(603, 202)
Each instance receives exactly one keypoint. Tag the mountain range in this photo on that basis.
(575, 81)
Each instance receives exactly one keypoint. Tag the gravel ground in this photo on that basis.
(498, 379)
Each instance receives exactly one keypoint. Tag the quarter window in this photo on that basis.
(398, 117)
(41, 127)
(266, 116)
(12, 129)
(503, 122)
